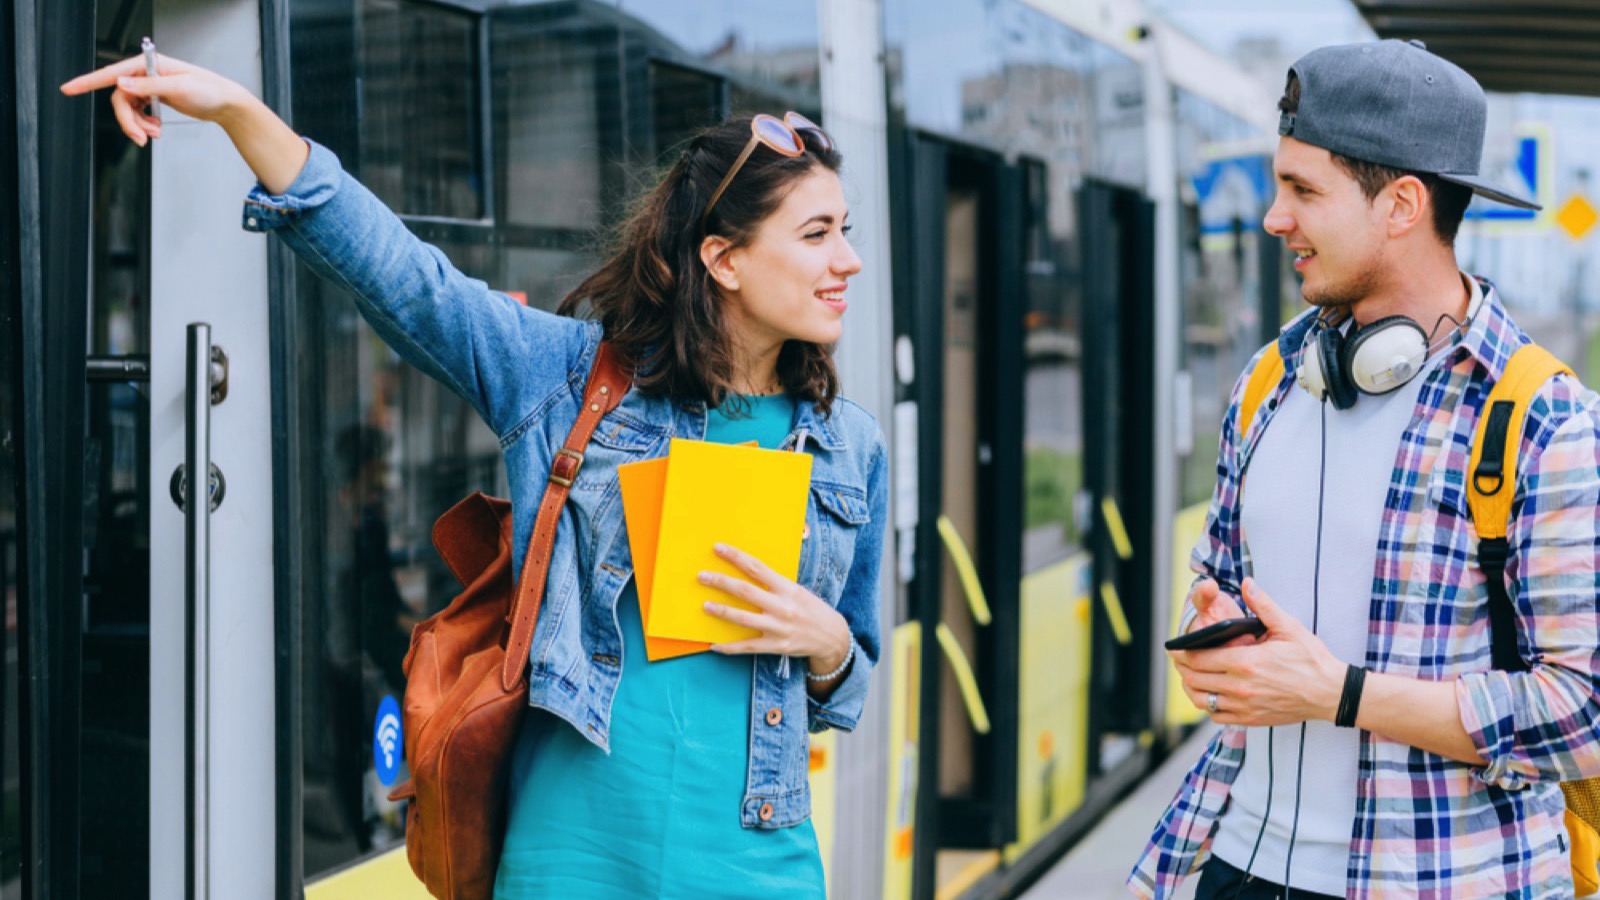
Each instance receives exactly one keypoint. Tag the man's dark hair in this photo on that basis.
(1449, 199)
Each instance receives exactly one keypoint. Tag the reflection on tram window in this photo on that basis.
(419, 118)
(773, 45)
(113, 756)
(583, 99)
(10, 760)
(553, 75)
(1223, 182)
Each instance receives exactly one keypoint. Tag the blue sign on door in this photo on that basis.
(387, 741)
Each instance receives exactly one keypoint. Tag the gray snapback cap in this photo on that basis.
(1394, 103)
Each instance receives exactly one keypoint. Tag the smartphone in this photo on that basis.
(1218, 634)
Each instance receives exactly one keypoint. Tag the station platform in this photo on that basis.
(1097, 866)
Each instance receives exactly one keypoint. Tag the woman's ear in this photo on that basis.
(716, 254)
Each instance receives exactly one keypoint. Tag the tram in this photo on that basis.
(1057, 207)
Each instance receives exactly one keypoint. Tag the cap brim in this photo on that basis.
(1485, 189)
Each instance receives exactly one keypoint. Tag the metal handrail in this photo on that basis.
(197, 602)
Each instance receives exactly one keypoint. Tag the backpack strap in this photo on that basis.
(608, 381)
(1491, 485)
(1263, 379)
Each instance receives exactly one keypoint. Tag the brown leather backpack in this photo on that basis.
(466, 671)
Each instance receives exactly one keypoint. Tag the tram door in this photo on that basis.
(964, 318)
(149, 718)
(1117, 508)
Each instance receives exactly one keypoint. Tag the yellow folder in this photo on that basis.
(748, 498)
(643, 486)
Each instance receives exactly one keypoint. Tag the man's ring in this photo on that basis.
(1211, 703)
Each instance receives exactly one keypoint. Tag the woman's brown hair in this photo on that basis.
(657, 303)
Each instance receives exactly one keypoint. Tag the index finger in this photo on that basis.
(104, 77)
(751, 566)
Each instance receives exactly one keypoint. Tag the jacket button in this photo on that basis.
(766, 812)
(774, 716)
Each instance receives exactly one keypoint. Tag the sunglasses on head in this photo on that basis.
(782, 135)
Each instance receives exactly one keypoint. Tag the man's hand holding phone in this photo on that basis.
(1215, 607)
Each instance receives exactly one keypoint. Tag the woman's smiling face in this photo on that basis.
(790, 279)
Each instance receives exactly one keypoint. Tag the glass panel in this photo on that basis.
(1053, 388)
(114, 758)
(382, 449)
(769, 49)
(1220, 238)
(11, 782)
(390, 450)
(959, 474)
(420, 108)
(1004, 75)
(553, 74)
(683, 101)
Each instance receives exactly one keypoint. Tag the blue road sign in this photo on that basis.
(1235, 187)
(1527, 171)
(388, 749)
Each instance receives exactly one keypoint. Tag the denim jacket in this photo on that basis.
(524, 371)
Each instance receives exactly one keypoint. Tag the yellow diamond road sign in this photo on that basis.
(1577, 216)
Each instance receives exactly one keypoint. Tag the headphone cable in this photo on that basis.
(1316, 590)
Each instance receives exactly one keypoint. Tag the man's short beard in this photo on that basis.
(1342, 296)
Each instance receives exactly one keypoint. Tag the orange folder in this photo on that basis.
(644, 484)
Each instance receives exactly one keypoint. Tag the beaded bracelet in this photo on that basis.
(836, 672)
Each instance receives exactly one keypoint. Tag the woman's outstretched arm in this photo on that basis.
(269, 146)
(503, 358)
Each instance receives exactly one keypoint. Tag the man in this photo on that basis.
(1340, 519)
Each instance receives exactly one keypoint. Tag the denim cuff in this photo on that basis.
(844, 705)
(316, 184)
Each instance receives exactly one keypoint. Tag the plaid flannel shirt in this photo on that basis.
(1427, 826)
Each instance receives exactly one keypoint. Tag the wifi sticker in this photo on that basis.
(387, 743)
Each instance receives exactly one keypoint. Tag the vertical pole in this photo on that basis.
(1161, 186)
(197, 597)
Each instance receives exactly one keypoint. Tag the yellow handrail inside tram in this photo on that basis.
(970, 585)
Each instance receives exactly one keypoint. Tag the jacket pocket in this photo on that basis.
(619, 439)
(835, 519)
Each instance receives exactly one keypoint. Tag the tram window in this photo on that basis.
(684, 101)
(544, 276)
(1220, 247)
(769, 44)
(11, 842)
(1052, 385)
(551, 79)
(420, 108)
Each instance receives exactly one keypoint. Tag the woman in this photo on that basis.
(726, 294)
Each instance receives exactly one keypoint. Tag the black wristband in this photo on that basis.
(1355, 678)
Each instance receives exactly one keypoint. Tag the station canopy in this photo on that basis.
(1538, 46)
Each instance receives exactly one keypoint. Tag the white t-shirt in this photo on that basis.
(1278, 500)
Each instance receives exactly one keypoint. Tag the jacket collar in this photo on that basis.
(818, 427)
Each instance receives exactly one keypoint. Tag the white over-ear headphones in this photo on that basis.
(1374, 359)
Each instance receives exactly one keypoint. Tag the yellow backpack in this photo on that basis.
(1489, 493)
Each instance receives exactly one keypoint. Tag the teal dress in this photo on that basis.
(659, 817)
